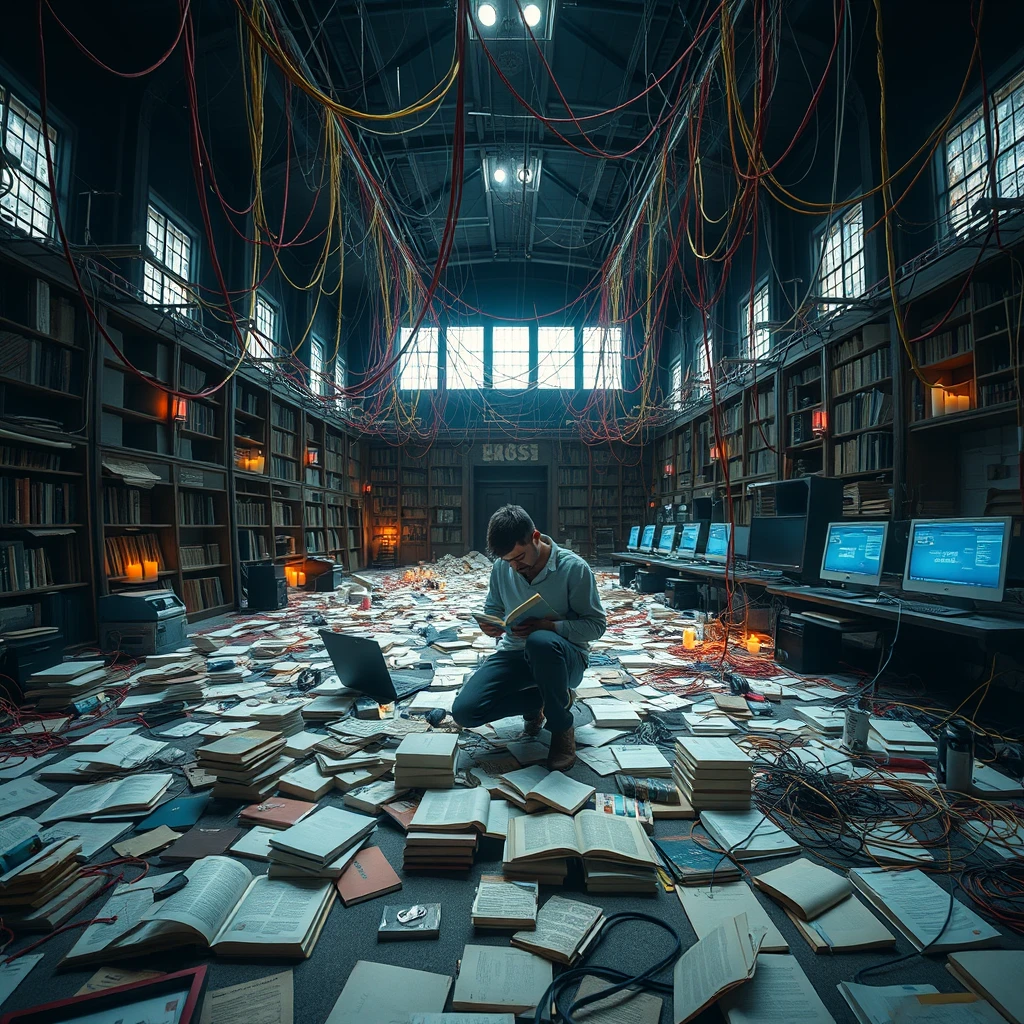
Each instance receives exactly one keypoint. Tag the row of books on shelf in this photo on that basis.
(762, 435)
(51, 314)
(247, 400)
(414, 477)
(123, 506)
(250, 513)
(383, 475)
(446, 535)
(448, 515)
(997, 393)
(801, 428)
(283, 416)
(573, 517)
(131, 549)
(385, 505)
(283, 469)
(762, 461)
(334, 463)
(196, 509)
(573, 496)
(867, 409)
(446, 477)
(314, 477)
(314, 515)
(200, 418)
(202, 593)
(414, 496)
(315, 542)
(24, 567)
(414, 533)
(32, 502)
(731, 418)
(33, 361)
(283, 444)
(873, 367)
(868, 337)
(22, 457)
(450, 498)
(342, 540)
(193, 378)
(572, 477)
(252, 546)
(944, 345)
(198, 556)
(863, 454)
(336, 515)
(284, 514)
(762, 405)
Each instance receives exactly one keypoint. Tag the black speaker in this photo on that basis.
(267, 587)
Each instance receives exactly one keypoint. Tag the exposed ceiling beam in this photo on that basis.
(556, 179)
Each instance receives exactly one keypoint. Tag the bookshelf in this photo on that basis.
(413, 508)
(447, 482)
(383, 549)
(573, 484)
(803, 393)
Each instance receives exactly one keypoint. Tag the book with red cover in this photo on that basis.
(402, 810)
(276, 812)
(368, 876)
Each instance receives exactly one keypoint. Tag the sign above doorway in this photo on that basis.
(510, 452)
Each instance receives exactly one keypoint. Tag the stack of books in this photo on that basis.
(643, 759)
(247, 764)
(320, 845)
(825, 720)
(500, 903)
(448, 852)
(285, 718)
(693, 864)
(180, 680)
(427, 760)
(713, 773)
(57, 687)
(610, 876)
(563, 931)
(901, 739)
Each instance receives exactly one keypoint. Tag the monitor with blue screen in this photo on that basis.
(718, 543)
(647, 540)
(958, 557)
(667, 540)
(688, 540)
(854, 553)
(634, 539)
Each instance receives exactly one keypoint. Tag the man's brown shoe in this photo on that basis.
(532, 724)
(562, 755)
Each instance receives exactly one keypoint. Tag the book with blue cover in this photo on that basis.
(692, 864)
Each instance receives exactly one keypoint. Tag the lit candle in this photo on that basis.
(938, 401)
(689, 638)
(149, 569)
(963, 403)
(300, 578)
(753, 645)
(950, 403)
(134, 573)
(289, 575)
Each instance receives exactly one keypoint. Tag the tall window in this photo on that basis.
(417, 367)
(675, 387)
(752, 314)
(340, 379)
(556, 358)
(262, 342)
(701, 367)
(465, 365)
(170, 262)
(602, 358)
(317, 380)
(510, 363)
(967, 155)
(842, 256)
(27, 205)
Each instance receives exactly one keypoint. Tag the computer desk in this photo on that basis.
(992, 632)
(704, 573)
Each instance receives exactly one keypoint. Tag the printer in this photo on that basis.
(141, 622)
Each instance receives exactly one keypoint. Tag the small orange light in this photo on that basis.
(312, 457)
(819, 422)
(713, 454)
(179, 410)
(753, 644)
(367, 488)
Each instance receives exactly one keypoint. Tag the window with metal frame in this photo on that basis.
(25, 199)
(317, 380)
(340, 381)
(841, 251)
(510, 357)
(464, 361)
(261, 343)
(701, 369)
(675, 388)
(602, 358)
(168, 264)
(556, 358)
(417, 365)
(752, 313)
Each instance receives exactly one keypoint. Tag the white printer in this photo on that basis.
(141, 622)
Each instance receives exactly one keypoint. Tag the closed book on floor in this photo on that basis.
(276, 812)
(995, 975)
(199, 842)
(500, 979)
(324, 834)
(693, 864)
(874, 1004)
(707, 906)
(804, 888)
(563, 929)
(428, 750)
(307, 783)
(371, 798)
(382, 994)
(368, 875)
(920, 909)
(286, 865)
(747, 835)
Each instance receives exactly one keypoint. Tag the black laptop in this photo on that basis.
(360, 665)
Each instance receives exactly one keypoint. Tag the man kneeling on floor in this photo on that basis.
(540, 661)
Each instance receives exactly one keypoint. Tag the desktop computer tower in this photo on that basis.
(627, 573)
(789, 521)
(267, 587)
(805, 648)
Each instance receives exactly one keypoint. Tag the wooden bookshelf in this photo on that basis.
(573, 483)
(447, 481)
(383, 547)
(803, 394)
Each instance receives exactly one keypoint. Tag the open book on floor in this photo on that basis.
(590, 834)
(535, 788)
(222, 906)
(520, 610)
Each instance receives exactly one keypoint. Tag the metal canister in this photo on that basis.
(955, 768)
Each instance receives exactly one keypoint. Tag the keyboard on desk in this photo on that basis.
(931, 609)
(842, 595)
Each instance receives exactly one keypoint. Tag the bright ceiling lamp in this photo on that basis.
(487, 15)
(499, 175)
(532, 15)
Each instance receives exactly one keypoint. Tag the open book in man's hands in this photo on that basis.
(517, 612)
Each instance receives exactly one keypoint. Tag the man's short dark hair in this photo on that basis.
(510, 526)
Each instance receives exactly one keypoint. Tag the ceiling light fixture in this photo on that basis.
(524, 175)
(499, 175)
(486, 15)
(532, 15)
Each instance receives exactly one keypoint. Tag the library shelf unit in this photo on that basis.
(45, 487)
(803, 395)
(447, 480)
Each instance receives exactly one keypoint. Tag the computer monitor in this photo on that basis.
(718, 543)
(634, 539)
(854, 553)
(741, 541)
(777, 542)
(693, 539)
(647, 540)
(667, 540)
(958, 557)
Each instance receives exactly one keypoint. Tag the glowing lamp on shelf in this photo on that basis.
(312, 457)
(713, 453)
(669, 469)
(367, 488)
(819, 422)
(179, 410)
(149, 570)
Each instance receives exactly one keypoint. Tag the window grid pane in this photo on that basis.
(417, 367)
(752, 314)
(842, 261)
(966, 157)
(1009, 119)
(261, 343)
(602, 358)
(27, 206)
(510, 357)
(318, 384)
(700, 363)
(339, 381)
(675, 388)
(556, 358)
(170, 247)
(465, 358)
